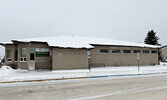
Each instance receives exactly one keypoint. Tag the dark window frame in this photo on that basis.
(136, 51)
(104, 51)
(16, 55)
(154, 51)
(126, 51)
(116, 51)
(146, 51)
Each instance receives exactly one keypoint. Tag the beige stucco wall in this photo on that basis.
(164, 54)
(121, 59)
(69, 59)
(40, 62)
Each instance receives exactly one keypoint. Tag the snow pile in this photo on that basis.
(6, 70)
(82, 42)
(9, 74)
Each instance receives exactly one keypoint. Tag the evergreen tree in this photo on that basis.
(151, 38)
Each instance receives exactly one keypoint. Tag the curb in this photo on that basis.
(102, 76)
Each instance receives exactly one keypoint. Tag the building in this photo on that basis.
(66, 52)
(164, 53)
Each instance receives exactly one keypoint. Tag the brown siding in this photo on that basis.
(69, 59)
(121, 59)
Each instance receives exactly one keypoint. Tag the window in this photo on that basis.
(154, 51)
(9, 55)
(104, 51)
(32, 54)
(166, 51)
(146, 51)
(136, 51)
(23, 54)
(116, 51)
(42, 52)
(16, 55)
(127, 51)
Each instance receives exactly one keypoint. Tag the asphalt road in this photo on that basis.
(134, 88)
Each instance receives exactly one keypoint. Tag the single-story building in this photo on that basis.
(164, 53)
(69, 52)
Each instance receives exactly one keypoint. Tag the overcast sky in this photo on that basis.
(128, 20)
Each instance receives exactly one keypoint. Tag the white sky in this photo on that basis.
(128, 20)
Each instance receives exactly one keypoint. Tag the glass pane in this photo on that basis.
(116, 51)
(9, 53)
(136, 51)
(127, 51)
(16, 55)
(154, 51)
(145, 51)
(23, 52)
(104, 51)
(32, 54)
(32, 50)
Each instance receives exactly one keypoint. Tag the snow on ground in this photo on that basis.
(9, 74)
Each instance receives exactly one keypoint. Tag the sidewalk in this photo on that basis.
(8, 75)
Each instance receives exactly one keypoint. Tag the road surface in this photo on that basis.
(134, 88)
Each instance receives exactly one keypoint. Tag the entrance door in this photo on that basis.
(31, 64)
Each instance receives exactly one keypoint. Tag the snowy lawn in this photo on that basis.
(9, 74)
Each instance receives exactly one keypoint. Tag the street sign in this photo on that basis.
(88, 53)
(138, 55)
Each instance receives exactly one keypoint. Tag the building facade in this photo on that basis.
(164, 54)
(40, 55)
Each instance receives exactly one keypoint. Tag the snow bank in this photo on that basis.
(6, 70)
(9, 74)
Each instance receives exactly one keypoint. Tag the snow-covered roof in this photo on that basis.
(82, 42)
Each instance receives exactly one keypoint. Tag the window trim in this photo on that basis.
(24, 59)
